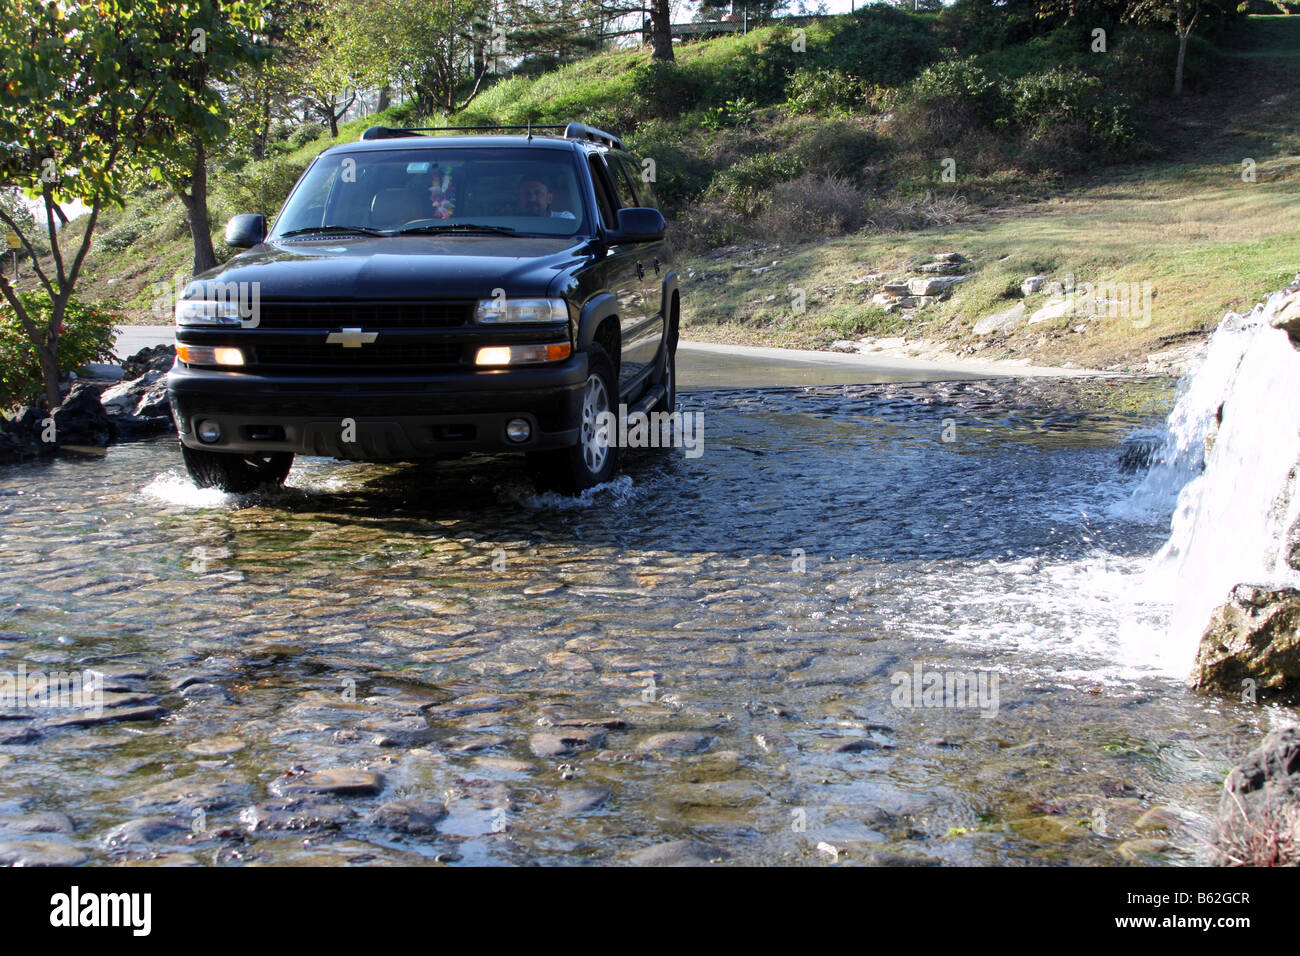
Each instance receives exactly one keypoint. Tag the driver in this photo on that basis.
(535, 199)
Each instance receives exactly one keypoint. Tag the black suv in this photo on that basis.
(424, 296)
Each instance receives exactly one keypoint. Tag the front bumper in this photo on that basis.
(381, 417)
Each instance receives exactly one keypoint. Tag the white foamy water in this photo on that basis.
(1238, 416)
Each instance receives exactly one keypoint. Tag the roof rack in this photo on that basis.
(571, 131)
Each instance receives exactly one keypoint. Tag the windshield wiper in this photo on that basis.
(364, 230)
(456, 227)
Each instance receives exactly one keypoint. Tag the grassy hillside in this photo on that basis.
(820, 168)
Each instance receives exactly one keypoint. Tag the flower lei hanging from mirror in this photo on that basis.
(444, 203)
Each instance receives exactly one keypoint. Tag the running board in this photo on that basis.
(653, 396)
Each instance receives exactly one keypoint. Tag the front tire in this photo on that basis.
(236, 473)
(594, 459)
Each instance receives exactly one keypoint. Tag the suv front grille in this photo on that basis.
(386, 354)
(364, 315)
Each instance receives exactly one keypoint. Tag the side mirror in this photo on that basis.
(638, 224)
(245, 230)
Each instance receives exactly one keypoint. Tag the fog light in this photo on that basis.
(208, 431)
(523, 354)
(518, 429)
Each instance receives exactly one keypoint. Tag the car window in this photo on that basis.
(644, 194)
(626, 195)
(530, 191)
(604, 191)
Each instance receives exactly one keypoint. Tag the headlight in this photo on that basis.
(207, 312)
(501, 311)
(209, 355)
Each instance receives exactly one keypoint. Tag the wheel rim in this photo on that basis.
(595, 439)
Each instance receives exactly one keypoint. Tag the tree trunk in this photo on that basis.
(1182, 58)
(48, 354)
(334, 121)
(385, 98)
(196, 213)
(661, 30)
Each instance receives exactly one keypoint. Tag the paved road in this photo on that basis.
(701, 365)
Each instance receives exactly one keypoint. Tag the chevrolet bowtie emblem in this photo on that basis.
(351, 338)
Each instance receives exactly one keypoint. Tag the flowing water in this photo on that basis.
(735, 649)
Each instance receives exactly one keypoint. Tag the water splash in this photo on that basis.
(1228, 472)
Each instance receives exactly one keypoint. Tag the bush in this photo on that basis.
(880, 43)
(87, 336)
(812, 205)
(740, 186)
(1070, 112)
(680, 174)
(827, 92)
(948, 99)
(834, 147)
(306, 133)
(259, 187)
(665, 90)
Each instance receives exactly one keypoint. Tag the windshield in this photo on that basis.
(423, 191)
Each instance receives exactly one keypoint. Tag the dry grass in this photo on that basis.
(1268, 837)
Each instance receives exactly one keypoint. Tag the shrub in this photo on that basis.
(261, 186)
(1071, 112)
(707, 225)
(680, 174)
(665, 90)
(306, 133)
(812, 205)
(834, 147)
(827, 92)
(957, 94)
(741, 185)
(87, 336)
(880, 43)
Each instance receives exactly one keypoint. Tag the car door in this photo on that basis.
(640, 327)
(654, 257)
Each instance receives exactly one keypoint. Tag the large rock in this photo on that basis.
(1254, 637)
(140, 407)
(20, 436)
(934, 285)
(1001, 322)
(1032, 284)
(158, 358)
(1261, 803)
(1287, 317)
(81, 419)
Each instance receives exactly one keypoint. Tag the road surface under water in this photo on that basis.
(717, 650)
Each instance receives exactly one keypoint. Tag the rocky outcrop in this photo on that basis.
(1252, 645)
(140, 407)
(96, 413)
(1287, 316)
(1260, 807)
(81, 420)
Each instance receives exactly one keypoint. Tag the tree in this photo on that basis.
(93, 94)
(652, 16)
(1183, 15)
(191, 120)
(427, 46)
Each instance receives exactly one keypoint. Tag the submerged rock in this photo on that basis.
(1252, 643)
(678, 853)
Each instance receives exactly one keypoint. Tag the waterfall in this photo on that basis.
(1228, 468)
